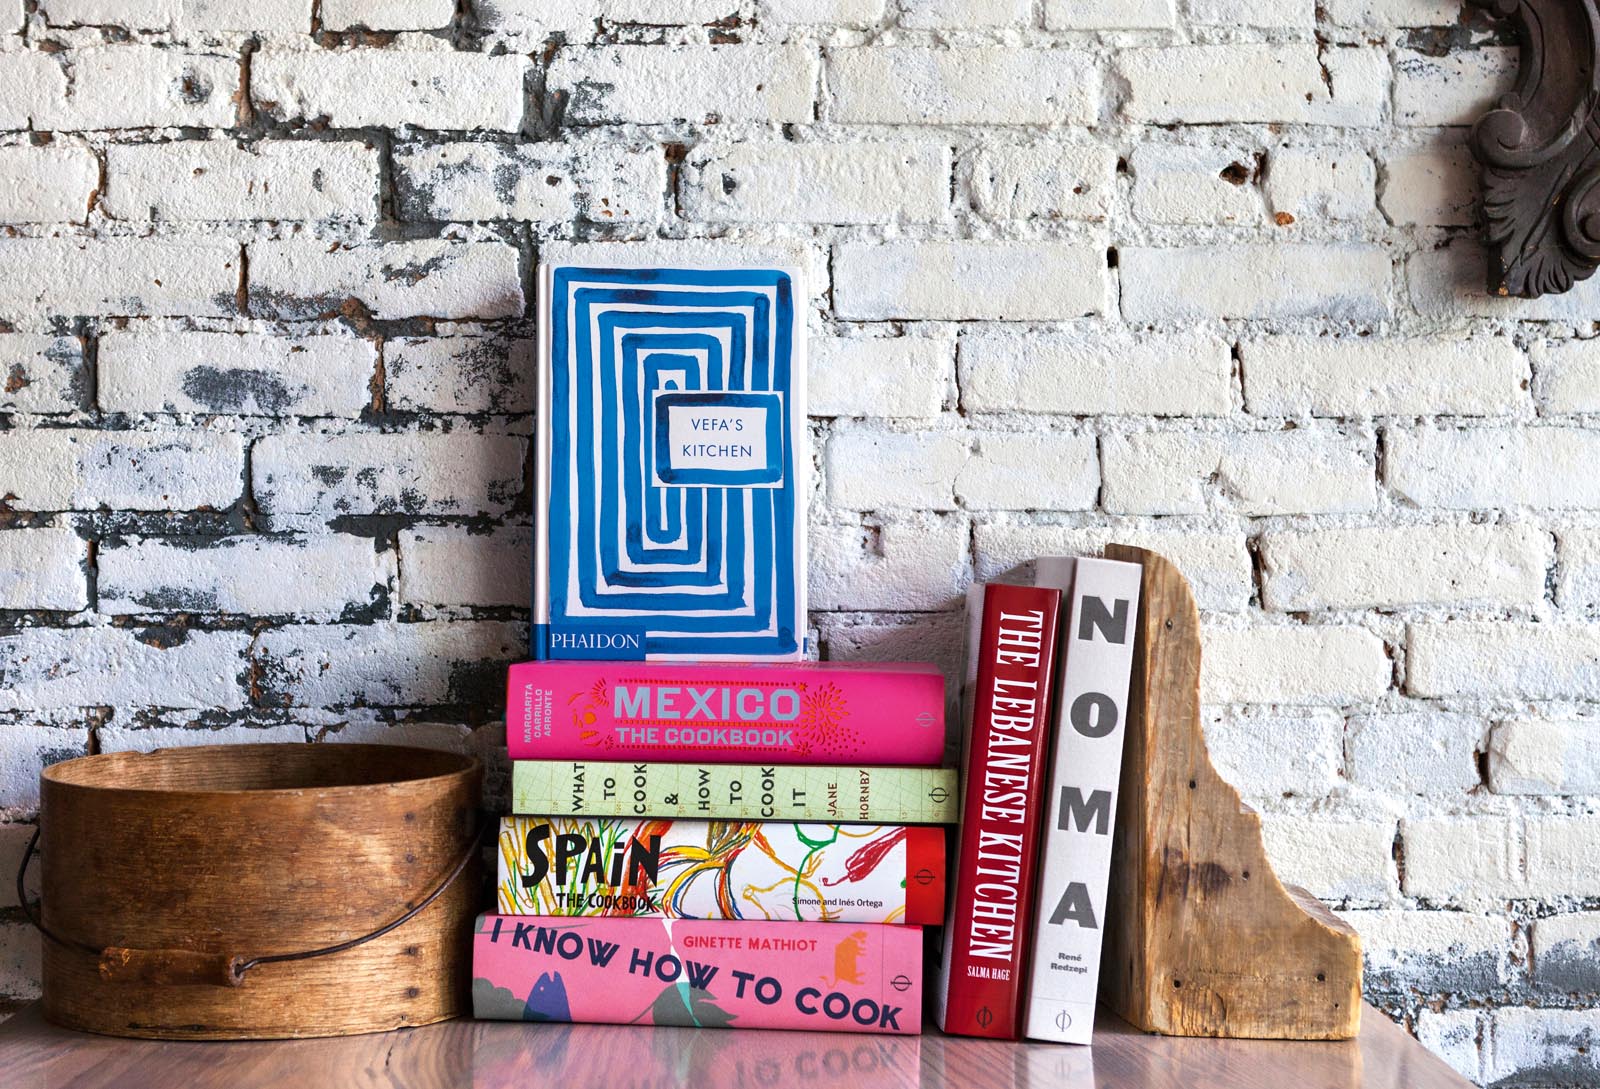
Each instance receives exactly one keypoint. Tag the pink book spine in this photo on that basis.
(709, 974)
(802, 713)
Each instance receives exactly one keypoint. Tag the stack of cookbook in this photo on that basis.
(707, 830)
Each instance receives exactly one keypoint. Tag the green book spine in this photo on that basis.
(744, 792)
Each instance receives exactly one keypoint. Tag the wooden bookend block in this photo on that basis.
(1202, 939)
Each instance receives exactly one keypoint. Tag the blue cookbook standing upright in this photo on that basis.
(670, 436)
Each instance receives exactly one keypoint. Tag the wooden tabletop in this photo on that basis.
(500, 1055)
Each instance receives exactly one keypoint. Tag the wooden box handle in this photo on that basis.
(186, 966)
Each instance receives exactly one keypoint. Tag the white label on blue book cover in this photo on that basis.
(672, 434)
(1081, 806)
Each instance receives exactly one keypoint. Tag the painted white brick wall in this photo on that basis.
(1200, 276)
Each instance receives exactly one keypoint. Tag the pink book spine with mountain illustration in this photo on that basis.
(719, 713)
(818, 977)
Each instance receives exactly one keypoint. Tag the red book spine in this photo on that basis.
(989, 923)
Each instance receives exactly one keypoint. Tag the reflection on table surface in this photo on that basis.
(629, 1057)
(516, 1055)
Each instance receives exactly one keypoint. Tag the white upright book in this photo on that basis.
(1081, 807)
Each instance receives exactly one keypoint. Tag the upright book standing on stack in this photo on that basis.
(671, 453)
(1081, 805)
(986, 932)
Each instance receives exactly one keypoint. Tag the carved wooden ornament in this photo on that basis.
(1539, 150)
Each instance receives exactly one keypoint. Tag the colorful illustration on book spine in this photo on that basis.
(707, 974)
(703, 869)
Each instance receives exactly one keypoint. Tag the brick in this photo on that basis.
(905, 376)
(835, 12)
(918, 563)
(1432, 752)
(965, 14)
(1108, 14)
(1543, 1047)
(1456, 858)
(387, 14)
(1004, 472)
(25, 750)
(46, 668)
(1095, 371)
(1507, 658)
(1454, 89)
(13, 841)
(454, 472)
(1301, 471)
(1563, 856)
(1454, 1036)
(1578, 574)
(305, 277)
(31, 85)
(42, 374)
(247, 374)
(873, 468)
(1566, 376)
(43, 569)
(896, 637)
(1433, 952)
(897, 182)
(433, 89)
(997, 281)
(258, 16)
(1216, 565)
(136, 14)
(1211, 84)
(1380, 376)
(1173, 183)
(447, 736)
(217, 180)
(49, 184)
(1448, 282)
(1495, 467)
(320, 577)
(1288, 281)
(1277, 756)
(459, 374)
(540, 16)
(445, 565)
(1320, 184)
(1545, 756)
(1044, 181)
(1334, 857)
(970, 85)
(543, 183)
(389, 664)
(1566, 952)
(1382, 567)
(149, 738)
(1383, 14)
(622, 84)
(1270, 14)
(20, 963)
(811, 261)
(119, 276)
(60, 469)
(1432, 187)
(1293, 665)
(141, 86)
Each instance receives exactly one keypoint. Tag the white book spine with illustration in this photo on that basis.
(1081, 807)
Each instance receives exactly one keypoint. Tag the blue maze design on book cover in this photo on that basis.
(671, 409)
